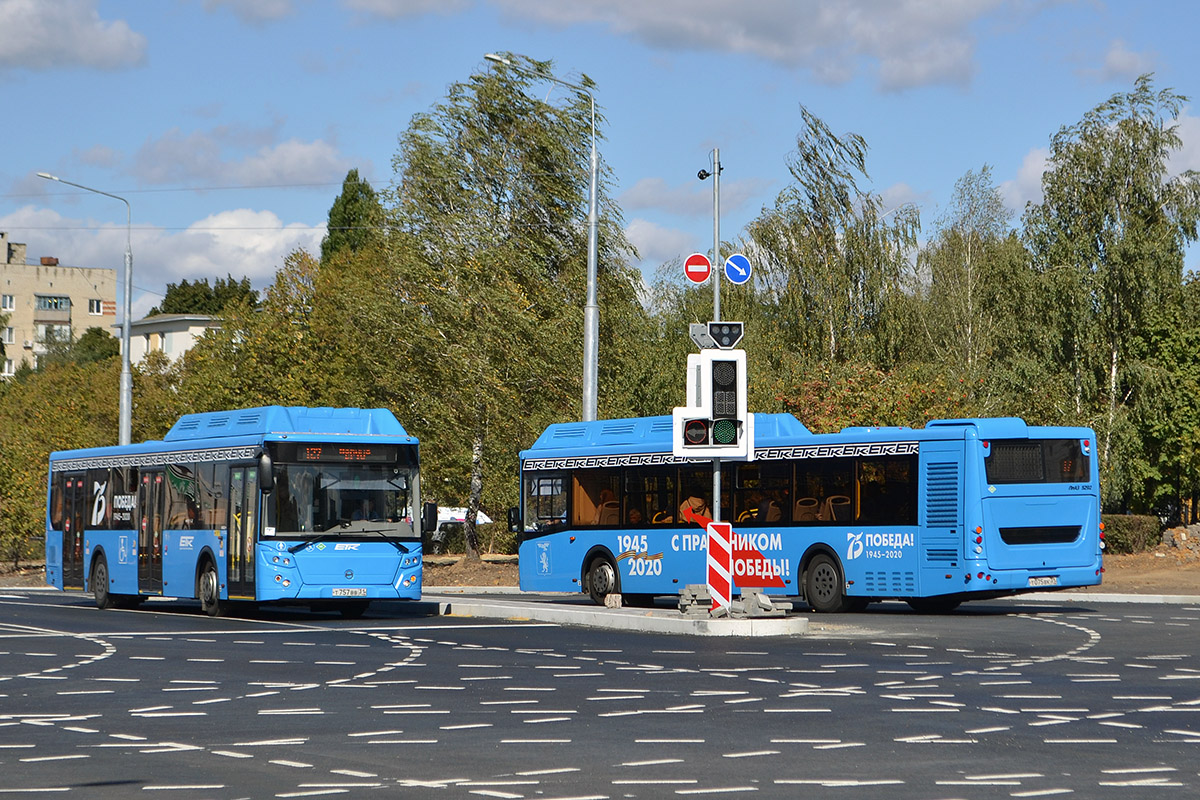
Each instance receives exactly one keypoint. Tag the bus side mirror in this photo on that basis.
(266, 473)
(514, 520)
(428, 517)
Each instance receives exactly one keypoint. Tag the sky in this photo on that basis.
(229, 125)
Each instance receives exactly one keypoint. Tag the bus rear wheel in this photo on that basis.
(99, 583)
(601, 579)
(823, 586)
(208, 587)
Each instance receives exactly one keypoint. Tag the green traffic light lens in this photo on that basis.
(725, 431)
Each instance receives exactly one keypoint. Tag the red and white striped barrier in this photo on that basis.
(720, 564)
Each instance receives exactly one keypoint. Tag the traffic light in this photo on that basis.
(715, 422)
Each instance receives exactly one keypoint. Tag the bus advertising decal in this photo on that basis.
(749, 568)
(877, 545)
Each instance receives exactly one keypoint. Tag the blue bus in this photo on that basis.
(301, 505)
(961, 509)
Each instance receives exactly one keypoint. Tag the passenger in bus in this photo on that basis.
(694, 504)
(634, 517)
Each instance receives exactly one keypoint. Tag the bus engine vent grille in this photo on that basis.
(941, 554)
(941, 495)
(1045, 534)
(898, 583)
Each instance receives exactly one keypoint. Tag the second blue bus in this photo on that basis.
(961, 509)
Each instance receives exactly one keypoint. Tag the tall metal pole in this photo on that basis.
(125, 406)
(591, 311)
(718, 267)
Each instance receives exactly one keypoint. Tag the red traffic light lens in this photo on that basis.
(695, 432)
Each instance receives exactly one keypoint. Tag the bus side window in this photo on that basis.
(824, 487)
(649, 496)
(56, 501)
(183, 511)
(887, 490)
(595, 498)
(545, 502)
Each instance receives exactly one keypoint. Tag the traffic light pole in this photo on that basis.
(716, 278)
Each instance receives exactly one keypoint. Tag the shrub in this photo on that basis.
(1130, 533)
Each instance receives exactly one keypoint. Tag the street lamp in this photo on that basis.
(125, 415)
(591, 312)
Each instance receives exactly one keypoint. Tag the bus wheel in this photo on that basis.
(933, 605)
(601, 579)
(209, 589)
(823, 586)
(100, 584)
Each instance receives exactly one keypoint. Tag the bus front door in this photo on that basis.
(149, 556)
(243, 523)
(75, 499)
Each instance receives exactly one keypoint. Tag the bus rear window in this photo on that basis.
(1037, 461)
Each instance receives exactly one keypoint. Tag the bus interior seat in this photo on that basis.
(769, 511)
(806, 509)
(609, 513)
(837, 508)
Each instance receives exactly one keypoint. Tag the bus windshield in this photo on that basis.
(350, 499)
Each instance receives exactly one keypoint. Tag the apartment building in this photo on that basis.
(48, 298)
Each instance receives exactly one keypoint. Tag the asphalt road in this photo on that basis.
(999, 700)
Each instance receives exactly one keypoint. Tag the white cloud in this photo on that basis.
(39, 35)
(905, 42)
(692, 198)
(657, 245)
(240, 242)
(180, 158)
(1026, 187)
(1121, 63)
(1188, 156)
(398, 9)
(255, 12)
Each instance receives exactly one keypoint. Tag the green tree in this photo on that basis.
(1109, 239)
(490, 265)
(355, 219)
(830, 259)
(200, 298)
(63, 405)
(96, 344)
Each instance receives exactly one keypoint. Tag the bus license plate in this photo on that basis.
(1049, 580)
(363, 592)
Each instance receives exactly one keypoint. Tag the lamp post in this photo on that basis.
(125, 414)
(591, 311)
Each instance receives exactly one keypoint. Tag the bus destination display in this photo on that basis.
(337, 453)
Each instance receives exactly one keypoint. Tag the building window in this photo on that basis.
(95, 307)
(8, 368)
(47, 302)
(7, 303)
(8, 336)
(58, 333)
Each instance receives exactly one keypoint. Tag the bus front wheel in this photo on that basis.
(823, 586)
(601, 579)
(100, 584)
(209, 589)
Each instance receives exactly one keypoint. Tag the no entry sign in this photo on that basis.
(697, 268)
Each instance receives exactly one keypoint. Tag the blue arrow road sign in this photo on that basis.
(737, 269)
